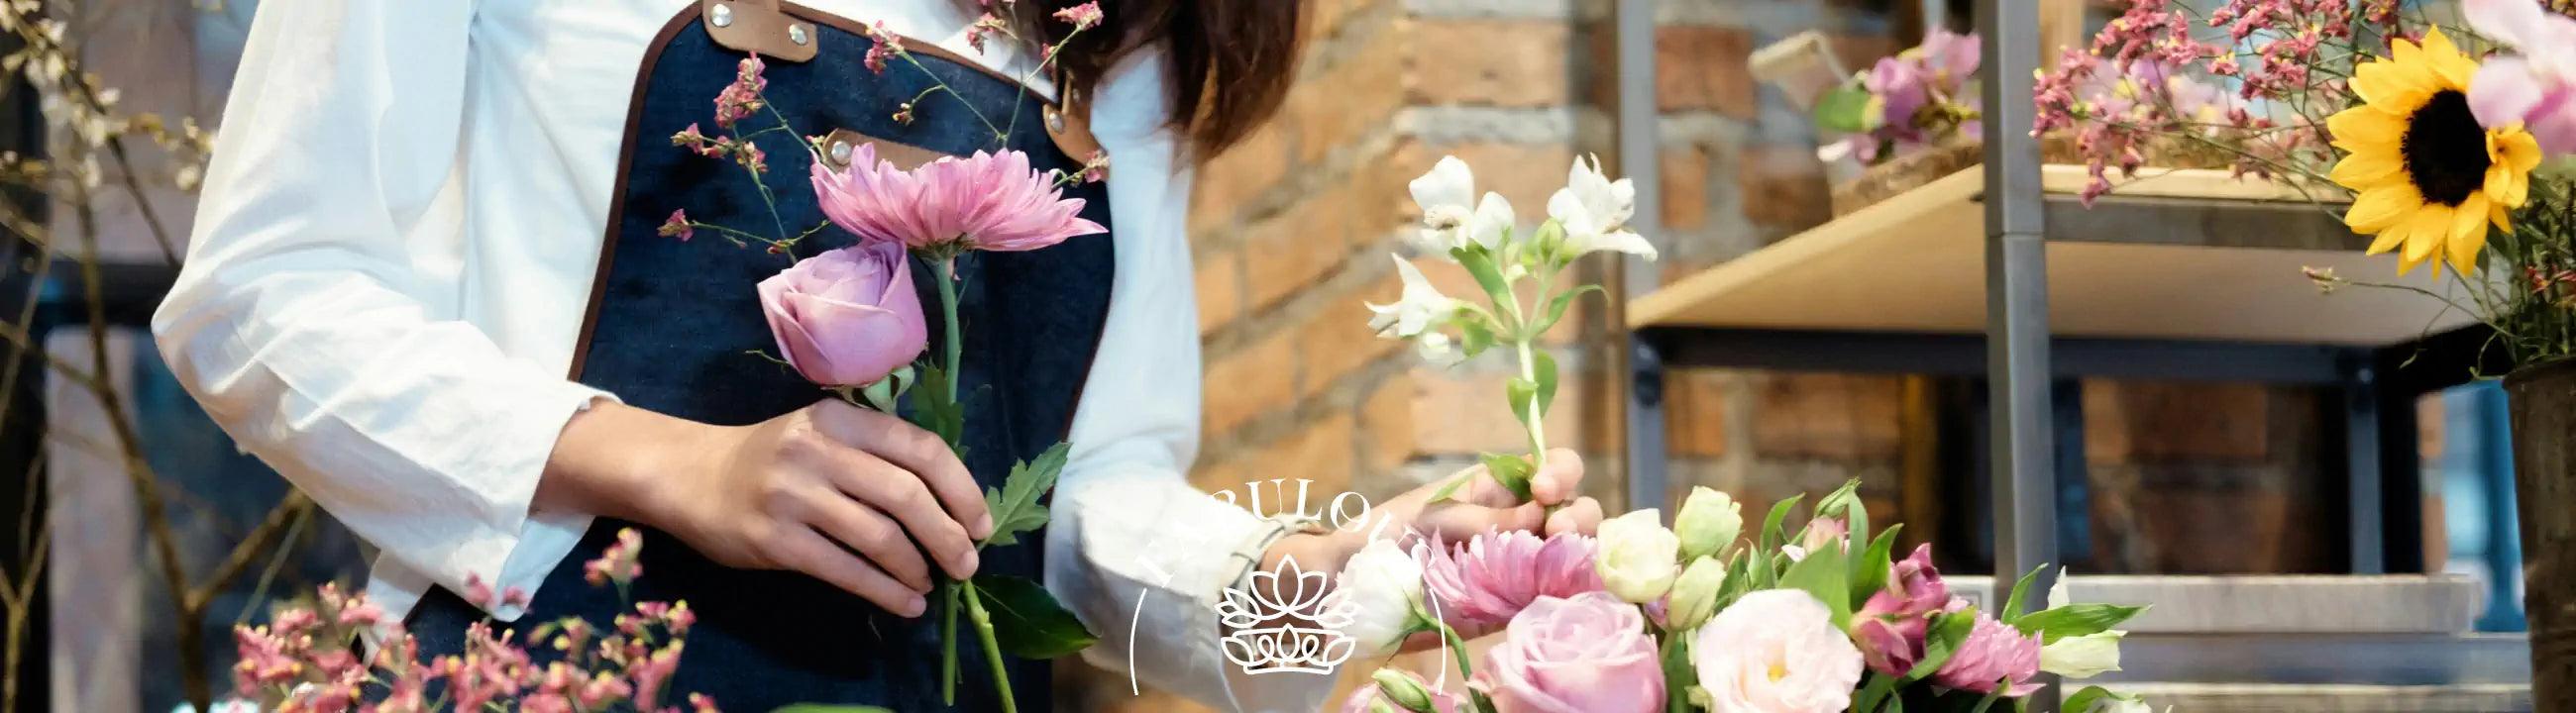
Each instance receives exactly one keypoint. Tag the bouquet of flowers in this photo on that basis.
(2447, 144)
(1703, 616)
(1921, 97)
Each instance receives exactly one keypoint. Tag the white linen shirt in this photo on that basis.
(393, 255)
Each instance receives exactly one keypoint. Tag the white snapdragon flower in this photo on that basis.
(1594, 211)
(1419, 310)
(1452, 216)
(2082, 656)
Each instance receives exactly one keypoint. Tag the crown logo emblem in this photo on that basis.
(1287, 623)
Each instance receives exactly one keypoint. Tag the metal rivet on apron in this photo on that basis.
(840, 152)
(796, 34)
(1055, 120)
(722, 15)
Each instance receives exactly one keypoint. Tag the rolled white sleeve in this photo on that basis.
(1137, 552)
(317, 315)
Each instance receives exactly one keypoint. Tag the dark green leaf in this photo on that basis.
(1027, 621)
(1739, 579)
(1679, 675)
(2001, 685)
(1545, 368)
(1556, 307)
(2012, 604)
(1943, 639)
(1869, 573)
(934, 411)
(1477, 337)
(1015, 506)
(1510, 470)
(1771, 535)
(1873, 693)
(1824, 574)
(1841, 501)
(1843, 109)
(2075, 620)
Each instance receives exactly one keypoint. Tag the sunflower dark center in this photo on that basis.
(2446, 149)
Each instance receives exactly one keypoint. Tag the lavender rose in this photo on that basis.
(847, 317)
(1584, 654)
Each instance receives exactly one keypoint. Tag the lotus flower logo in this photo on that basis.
(1290, 621)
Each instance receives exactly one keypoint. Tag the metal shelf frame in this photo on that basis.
(2021, 361)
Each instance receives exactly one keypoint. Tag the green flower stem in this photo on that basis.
(947, 269)
(948, 644)
(992, 648)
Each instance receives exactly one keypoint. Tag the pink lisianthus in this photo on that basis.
(847, 317)
(988, 201)
(1891, 626)
(1486, 580)
(1586, 654)
(2536, 88)
(1994, 653)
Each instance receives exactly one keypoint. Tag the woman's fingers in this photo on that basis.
(1456, 522)
(1559, 479)
(913, 450)
(1579, 517)
(810, 553)
(870, 533)
(893, 492)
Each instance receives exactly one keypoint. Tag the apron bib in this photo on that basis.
(670, 324)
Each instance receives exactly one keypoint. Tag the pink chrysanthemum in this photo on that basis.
(988, 201)
(1493, 576)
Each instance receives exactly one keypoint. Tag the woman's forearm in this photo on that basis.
(610, 457)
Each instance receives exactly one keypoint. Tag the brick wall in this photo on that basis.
(1291, 232)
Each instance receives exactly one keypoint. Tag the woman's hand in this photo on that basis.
(1482, 505)
(832, 490)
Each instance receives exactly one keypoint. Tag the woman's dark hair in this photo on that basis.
(1230, 60)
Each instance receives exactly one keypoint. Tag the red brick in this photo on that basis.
(1515, 63)
(1464, 412)
(1220, 288)
(1386, 425)
(1249, 382)
(1353, 96)
(1289, 252)
(1336, 340)
(2150, 421)
(1704, 68)
(1695, 412)
(1231, 180)
(1841, 417)
(1685, 171)
(1783, 187)
(1322, 451)
(1525, 174)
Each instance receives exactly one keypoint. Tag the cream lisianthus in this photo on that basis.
(1594, 211)
(1420, 309)
(1775, 651)
(1382, 586)
(1694, 595)
(1637, 557)
(1452, 216)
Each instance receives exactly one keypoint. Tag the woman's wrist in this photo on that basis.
(616, 460)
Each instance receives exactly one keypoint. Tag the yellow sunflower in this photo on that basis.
(2429, 178)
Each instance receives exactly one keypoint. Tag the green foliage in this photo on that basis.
(1512, 471)
(1941, 641)
(1556, 308)
(934, 410)
(1480, 265)
(1545, 368)
(2012, 605)
(1869, 572)
(1772, 537)
(1015, 506)
(2075, 620)
(1825, 574)
(1845, 109)
(1027, 621)
(1679, 675)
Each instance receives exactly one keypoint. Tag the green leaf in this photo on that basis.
(1869, 573)
(1679, 675)
(1556, 307)
(1824, 574)
(934, 411)
(1771, 535)
(1545, 366)
(1942, 640)
(1843, 109)
(2001, 685)
(1874, 693)
(1520, 391)
(1510, 470)
(1841, 501)
(1450, 489)
(1015, 506)
(2012, 605)
(1475, 335)
(1027, 621)
(2075, 620)
(2083, 700)
(1480, 265)
(822, 708)
(1739, 579)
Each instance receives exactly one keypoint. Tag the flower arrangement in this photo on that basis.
(2446, 144)
(1923, 96)
(1697, 618)
(307, 660)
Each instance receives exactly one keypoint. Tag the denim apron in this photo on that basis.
(671, 323)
